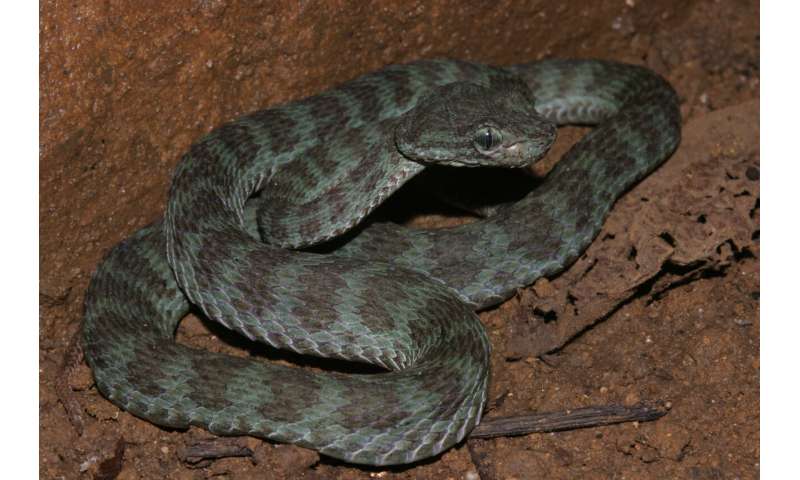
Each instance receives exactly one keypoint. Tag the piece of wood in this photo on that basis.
(568, 420)
(199, 453)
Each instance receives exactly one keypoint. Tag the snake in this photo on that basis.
(252, 201)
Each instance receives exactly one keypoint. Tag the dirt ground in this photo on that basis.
(664, 306)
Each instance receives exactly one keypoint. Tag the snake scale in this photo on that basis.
(248, 197)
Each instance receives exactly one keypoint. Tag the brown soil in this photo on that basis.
(663, 306)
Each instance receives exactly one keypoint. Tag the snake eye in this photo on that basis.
(487, 139)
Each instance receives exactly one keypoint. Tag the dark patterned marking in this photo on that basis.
(367, 97)
(401, 83)
(328, 113)
(279, 128)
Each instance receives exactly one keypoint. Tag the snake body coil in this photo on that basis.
(399, 298)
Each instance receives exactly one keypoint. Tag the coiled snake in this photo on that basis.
(399, 298)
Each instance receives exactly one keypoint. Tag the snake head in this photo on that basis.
(465, 124)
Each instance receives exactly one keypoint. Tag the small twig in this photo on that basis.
(568, 420)
(203, 451)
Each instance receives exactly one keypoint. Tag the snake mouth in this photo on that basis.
(520, 154)
(516, 155)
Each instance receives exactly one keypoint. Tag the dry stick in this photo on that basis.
(568, 420)
(201, 451)
(557, 421)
